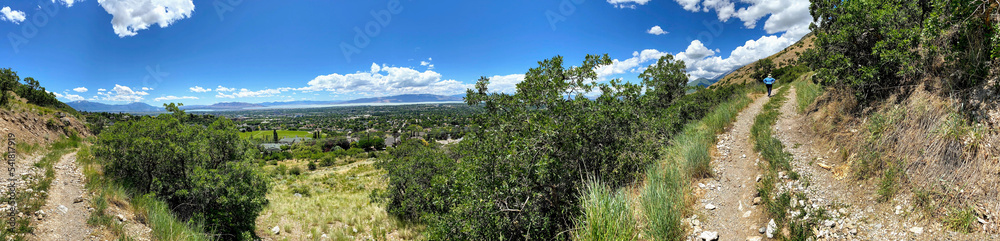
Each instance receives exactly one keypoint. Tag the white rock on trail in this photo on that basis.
(771, 227)
(917, 230)
(276, 230)
(710, 206)
(708, 236)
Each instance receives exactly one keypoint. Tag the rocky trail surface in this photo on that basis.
(726, 200)
(64, 216)
(728, 207)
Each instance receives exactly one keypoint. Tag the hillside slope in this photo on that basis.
(786, 57)
(32, 124)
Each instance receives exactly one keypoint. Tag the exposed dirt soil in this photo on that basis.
(732, 189)
(66, 209)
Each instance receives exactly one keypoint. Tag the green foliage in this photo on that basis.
(763, 68)
(295, 171)
(418, 181)
(663, 203)
(665, 81)
(31, 90)
(961, 219)
(875, 46)
(205, 174)
(311, 166)
(806, 93)
(607, 215)
(371, 143)
(888, 184)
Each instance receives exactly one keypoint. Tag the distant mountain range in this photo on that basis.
(143, 107)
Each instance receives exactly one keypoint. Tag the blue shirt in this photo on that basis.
(769, 80)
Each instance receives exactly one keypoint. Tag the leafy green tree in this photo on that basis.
(275, 136)
(665, 81)
(762, 68)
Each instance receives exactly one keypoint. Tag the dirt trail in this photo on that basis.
(732, 189)
(66, 210)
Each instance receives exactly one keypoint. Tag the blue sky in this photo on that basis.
(208, 51)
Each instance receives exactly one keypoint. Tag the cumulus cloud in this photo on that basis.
(68, 96)
(656, 30)
(147, 88)
(697, 50)
(627, 3)
(789, 16)
(245, 93)
(171, 97)
(199, 89)
(122, 94)
(68, 3)
(386, 79)
(102, 90)
(129, 16)
(505, 83)
(80, 89)
(13, 16)
(224, 89)
(710, 66)
(637, 63)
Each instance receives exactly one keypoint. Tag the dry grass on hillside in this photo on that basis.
(788, 56)
(950, 164)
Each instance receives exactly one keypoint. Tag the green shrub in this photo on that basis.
(419, 184)
(961, 219)
(204, 174)
(311, 166)
(296, 170)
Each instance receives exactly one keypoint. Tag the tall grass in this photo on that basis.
(607, 215)
(663, 203)
(806, 92)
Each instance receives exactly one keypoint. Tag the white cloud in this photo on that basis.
(711, 66)
(68, 3)
(656, 30)
(224, 89)
(629, 65)
(505, 83)
(199, 89)
(790, 16)
(13, 16)
(627, 3)
(697, 50)
(171, 97)
(385, 79)
(122, 94)
(80, 89)
(245, 93)
(68, 96)
(147, 88)
(427, 63)
(129, 16)
(102, 90)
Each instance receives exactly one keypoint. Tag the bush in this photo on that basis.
(312, 166)
(205, 174)
(607, 215)
(296, 170)
(419, 183)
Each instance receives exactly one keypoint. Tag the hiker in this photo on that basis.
(768, 81)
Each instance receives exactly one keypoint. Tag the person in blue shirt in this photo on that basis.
(769, 81)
